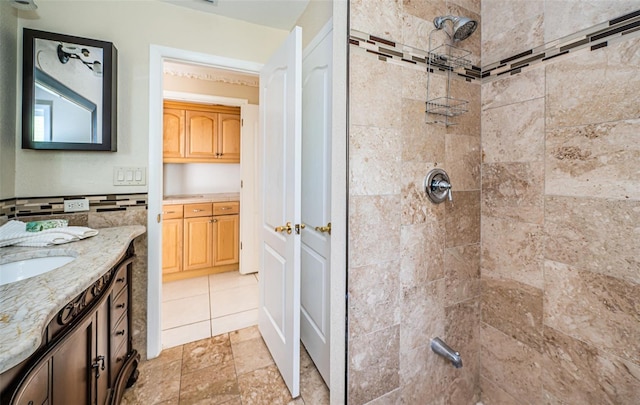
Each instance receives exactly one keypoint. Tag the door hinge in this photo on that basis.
(241, 183)
(240, 245)
(242, 122)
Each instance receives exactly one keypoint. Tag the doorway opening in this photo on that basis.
(206, 325)
(203, 298)
(158, 54)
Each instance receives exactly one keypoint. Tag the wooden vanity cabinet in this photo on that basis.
(87, 357)
(200, 133)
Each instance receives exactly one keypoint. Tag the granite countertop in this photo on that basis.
(27, 306)
(200, 198)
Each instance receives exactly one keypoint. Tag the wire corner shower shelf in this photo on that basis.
(448, 59)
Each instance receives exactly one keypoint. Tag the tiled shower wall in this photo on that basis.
(414, 267)
(560, 211)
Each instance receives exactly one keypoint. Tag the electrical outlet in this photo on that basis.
(76, 205)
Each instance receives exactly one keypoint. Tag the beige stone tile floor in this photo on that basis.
(233, 368)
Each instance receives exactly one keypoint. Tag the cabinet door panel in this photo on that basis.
(173, 133)
(172, 231)
(202, 130)
(198, 244)
(71, 367)
(36, 390)
(103, 331)
(229, 137)
(226, 236)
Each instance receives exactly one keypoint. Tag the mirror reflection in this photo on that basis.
(70, 89)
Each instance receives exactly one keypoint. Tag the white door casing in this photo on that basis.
(249, 190)
(316, 200)
(157, 54)
(279, 251)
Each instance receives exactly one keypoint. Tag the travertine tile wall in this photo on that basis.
(560, 212)
(414, 267)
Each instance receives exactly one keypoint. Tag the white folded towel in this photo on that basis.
(14, 233)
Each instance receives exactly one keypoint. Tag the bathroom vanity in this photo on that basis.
(65, 335)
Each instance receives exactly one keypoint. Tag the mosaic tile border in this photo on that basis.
(593, 38)
(7, 209)
(42, 206)
(393, 52)
(597, 37)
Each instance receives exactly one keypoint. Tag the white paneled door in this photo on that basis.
(316, 200)
(279, 159)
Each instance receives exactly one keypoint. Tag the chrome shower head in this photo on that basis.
(463, 27)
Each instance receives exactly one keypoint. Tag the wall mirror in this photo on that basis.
(69, 93)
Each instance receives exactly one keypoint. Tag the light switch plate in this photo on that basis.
(129, 176)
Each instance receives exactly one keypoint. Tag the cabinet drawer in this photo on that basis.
(172, 211)
(117, 360)
(226, 208)
(120, 333)
(197, 210)
(121, 279)
(119, 307)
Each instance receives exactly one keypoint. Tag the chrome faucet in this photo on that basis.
(442, 349)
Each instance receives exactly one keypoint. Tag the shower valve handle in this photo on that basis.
(442, 185)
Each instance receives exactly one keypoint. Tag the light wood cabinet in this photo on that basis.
(172, 231)
(229, 136)
(172, 234)
(202, 134)
(198, 243)
(226, 229)
(199, 133)
(173, 139)
(210, 240)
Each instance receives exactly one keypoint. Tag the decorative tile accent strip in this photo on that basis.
(23, 207)
(393, 52)
(594, 38)
(7, 209)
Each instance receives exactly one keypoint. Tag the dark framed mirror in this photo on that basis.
(69, 92)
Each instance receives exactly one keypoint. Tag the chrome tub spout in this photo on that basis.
(442, 349)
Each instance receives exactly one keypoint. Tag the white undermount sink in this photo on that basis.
(27, 268)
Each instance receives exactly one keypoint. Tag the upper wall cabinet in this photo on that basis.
(69, 93)
(200, 133)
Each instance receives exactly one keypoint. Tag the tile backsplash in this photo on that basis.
(106, 210)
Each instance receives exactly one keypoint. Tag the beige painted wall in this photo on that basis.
(8, 30)
(132, 26)
(314, 17)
